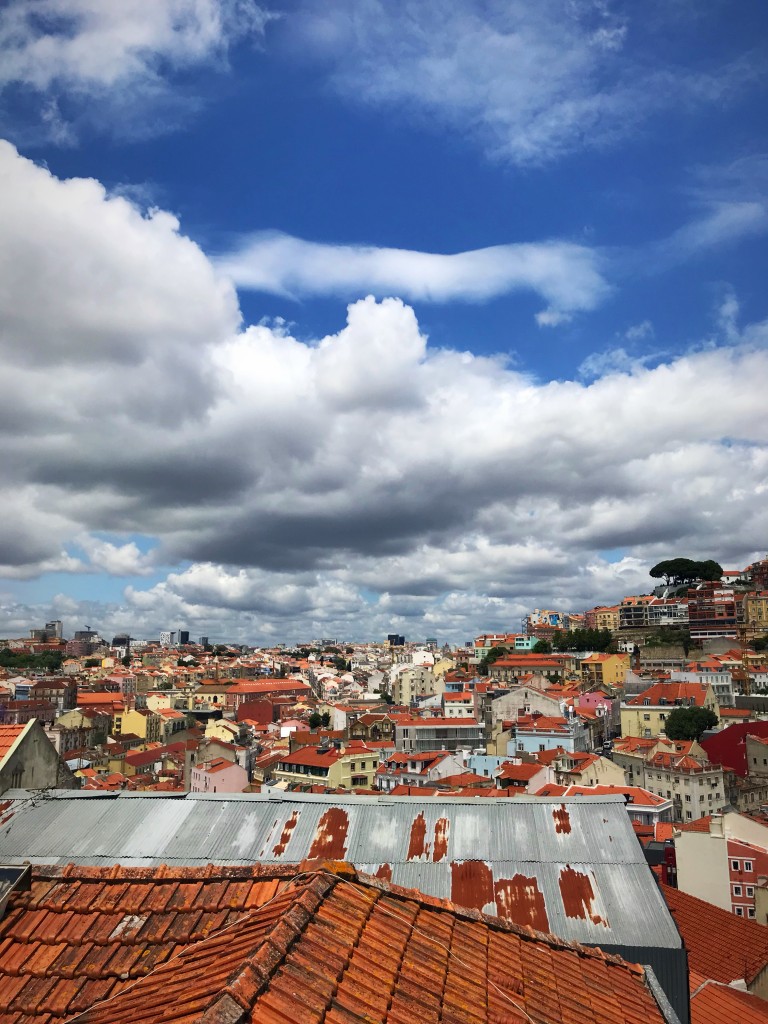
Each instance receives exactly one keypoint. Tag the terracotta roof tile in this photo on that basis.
(8, 736)
(721, 946)
(715, 1003)
(337, 948)
(87, 931)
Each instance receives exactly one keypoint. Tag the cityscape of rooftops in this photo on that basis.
(384, 429)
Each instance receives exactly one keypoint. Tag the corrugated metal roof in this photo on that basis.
(574, 868)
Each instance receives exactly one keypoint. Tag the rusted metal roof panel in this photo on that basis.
(573, 868)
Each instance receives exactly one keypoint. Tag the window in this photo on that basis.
(750, 891)
(688, 797)
(735, 865)
(750, 912)
(688, 814)
(739, 911)
(646, 718)
(747, 865)
(737, 890)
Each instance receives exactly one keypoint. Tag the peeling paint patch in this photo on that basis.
(441, 839)
(562, 819)
(578, 896)
(417, 846)
(520, 899)
(331, 836)
(384, 872)
(471, 884)
(279, 848)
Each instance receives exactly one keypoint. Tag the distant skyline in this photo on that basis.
(356, 317)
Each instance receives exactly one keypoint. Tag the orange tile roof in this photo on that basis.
(637, 795)
(8, 736)
(314, 757)
(82, 934)
(335, 948)
(714, 1003)
(721, 946)
(699, 825)
(542, 723)
(671, 692)
(518, 772)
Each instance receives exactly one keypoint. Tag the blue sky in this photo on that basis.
(560, 212)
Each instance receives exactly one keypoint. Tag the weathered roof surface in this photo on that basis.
(572, 868)
(717, 1004)
(345, 950)
(721, 946)
(82, 934)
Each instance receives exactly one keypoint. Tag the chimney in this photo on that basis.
(717, 825)
(187, 770)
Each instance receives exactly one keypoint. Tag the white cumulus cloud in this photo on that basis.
(345, 484)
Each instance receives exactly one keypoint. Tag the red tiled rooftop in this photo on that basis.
(721, 946)
(331, 947)
(8, 736)
(713, 1003)
(671, 692)
(518, 772)
(83, 934)
(637, 795)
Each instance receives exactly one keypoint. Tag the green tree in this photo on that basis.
(325, 719)
(685, 570)
(488, 659)
(542, 647)
(315, 720)
(689, 723)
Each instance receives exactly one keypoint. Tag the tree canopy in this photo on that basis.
(584, 640)
(676, 571)
(48, 661)
(488, 659)
(689, 723)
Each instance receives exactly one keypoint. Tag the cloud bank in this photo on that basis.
(357, 482)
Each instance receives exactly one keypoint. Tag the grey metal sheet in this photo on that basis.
(575, 868)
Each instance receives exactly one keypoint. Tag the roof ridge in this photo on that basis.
(247, 981)
(300, 897)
